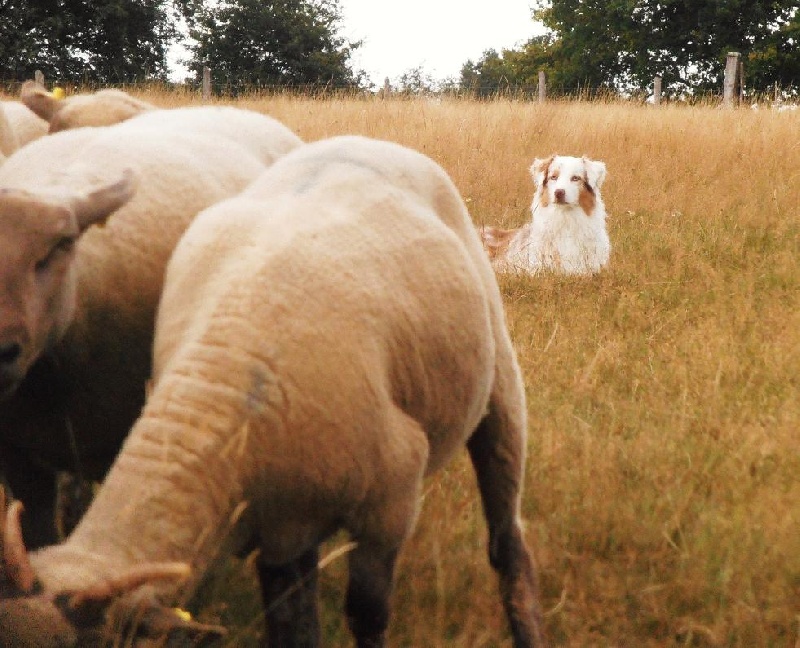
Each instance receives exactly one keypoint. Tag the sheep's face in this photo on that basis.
(96, 615)
(38, 235)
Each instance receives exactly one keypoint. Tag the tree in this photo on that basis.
(513, 70)
(775, 61)
(273, 42)
(488, 76)
(100, 41)
(623, 44)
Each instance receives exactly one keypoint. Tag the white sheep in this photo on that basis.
(77, 303)
(24, 123)
(101, 108)
(325, 341)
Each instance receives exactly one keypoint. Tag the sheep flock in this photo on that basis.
(250, 342)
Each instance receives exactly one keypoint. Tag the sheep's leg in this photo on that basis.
(368, 594)
(498, 453)
(290, 599)
(380, 529)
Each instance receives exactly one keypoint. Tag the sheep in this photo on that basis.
(324, 341)
(102, 108)
(225, 121)
(77, 303)
(24, 123)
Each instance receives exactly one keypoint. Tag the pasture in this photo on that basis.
(662, 492)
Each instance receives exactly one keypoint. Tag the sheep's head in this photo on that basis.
(96, 615)
(102, 108)
(38, 234)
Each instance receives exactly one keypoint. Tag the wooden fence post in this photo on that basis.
(740, 73)
(542, 86)
(729, 84)
(206, 83)
(656, 90)
(38, 77)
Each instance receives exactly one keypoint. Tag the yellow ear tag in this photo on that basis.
(182, 614)
(58, 93)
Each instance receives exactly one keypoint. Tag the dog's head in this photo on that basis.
(567, 181)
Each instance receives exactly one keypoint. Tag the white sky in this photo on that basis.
(437, 35)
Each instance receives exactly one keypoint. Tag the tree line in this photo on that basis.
(267, 42)
(608, 46)
(620, 46)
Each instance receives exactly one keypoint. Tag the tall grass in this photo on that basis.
(663, 485)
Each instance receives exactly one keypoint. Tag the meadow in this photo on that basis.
(662, 495)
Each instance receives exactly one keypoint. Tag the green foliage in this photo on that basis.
(415, 81)
(513, 69)
(95, 41)
(627, 42)
(251, 43)
(776, 59)
(621, 45)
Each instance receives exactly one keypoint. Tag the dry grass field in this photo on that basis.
(663, 483)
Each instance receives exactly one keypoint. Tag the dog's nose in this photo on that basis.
(560, 195)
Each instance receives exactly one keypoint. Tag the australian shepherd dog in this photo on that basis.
(567, 232)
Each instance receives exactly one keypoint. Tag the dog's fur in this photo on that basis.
(568, 230)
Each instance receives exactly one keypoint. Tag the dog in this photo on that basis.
(567, 233)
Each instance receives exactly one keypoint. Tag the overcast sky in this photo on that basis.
(437, 35)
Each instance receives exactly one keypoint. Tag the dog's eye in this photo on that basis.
(554, 176)
(576, 178)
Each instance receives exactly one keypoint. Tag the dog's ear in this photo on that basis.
(539, 170)
(595, 172)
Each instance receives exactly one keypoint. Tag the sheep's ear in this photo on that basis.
(128, 605)
(539, 170)
(105, 592)
(15, 565)
(595, 172)
(41, 102)
(97, 205)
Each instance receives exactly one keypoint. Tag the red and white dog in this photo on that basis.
(568, 230)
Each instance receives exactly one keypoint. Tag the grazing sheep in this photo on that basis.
(325, 340)
(77, 303)
(102, 108)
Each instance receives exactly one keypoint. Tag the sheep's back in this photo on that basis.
(261, 135)
(349, 309)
